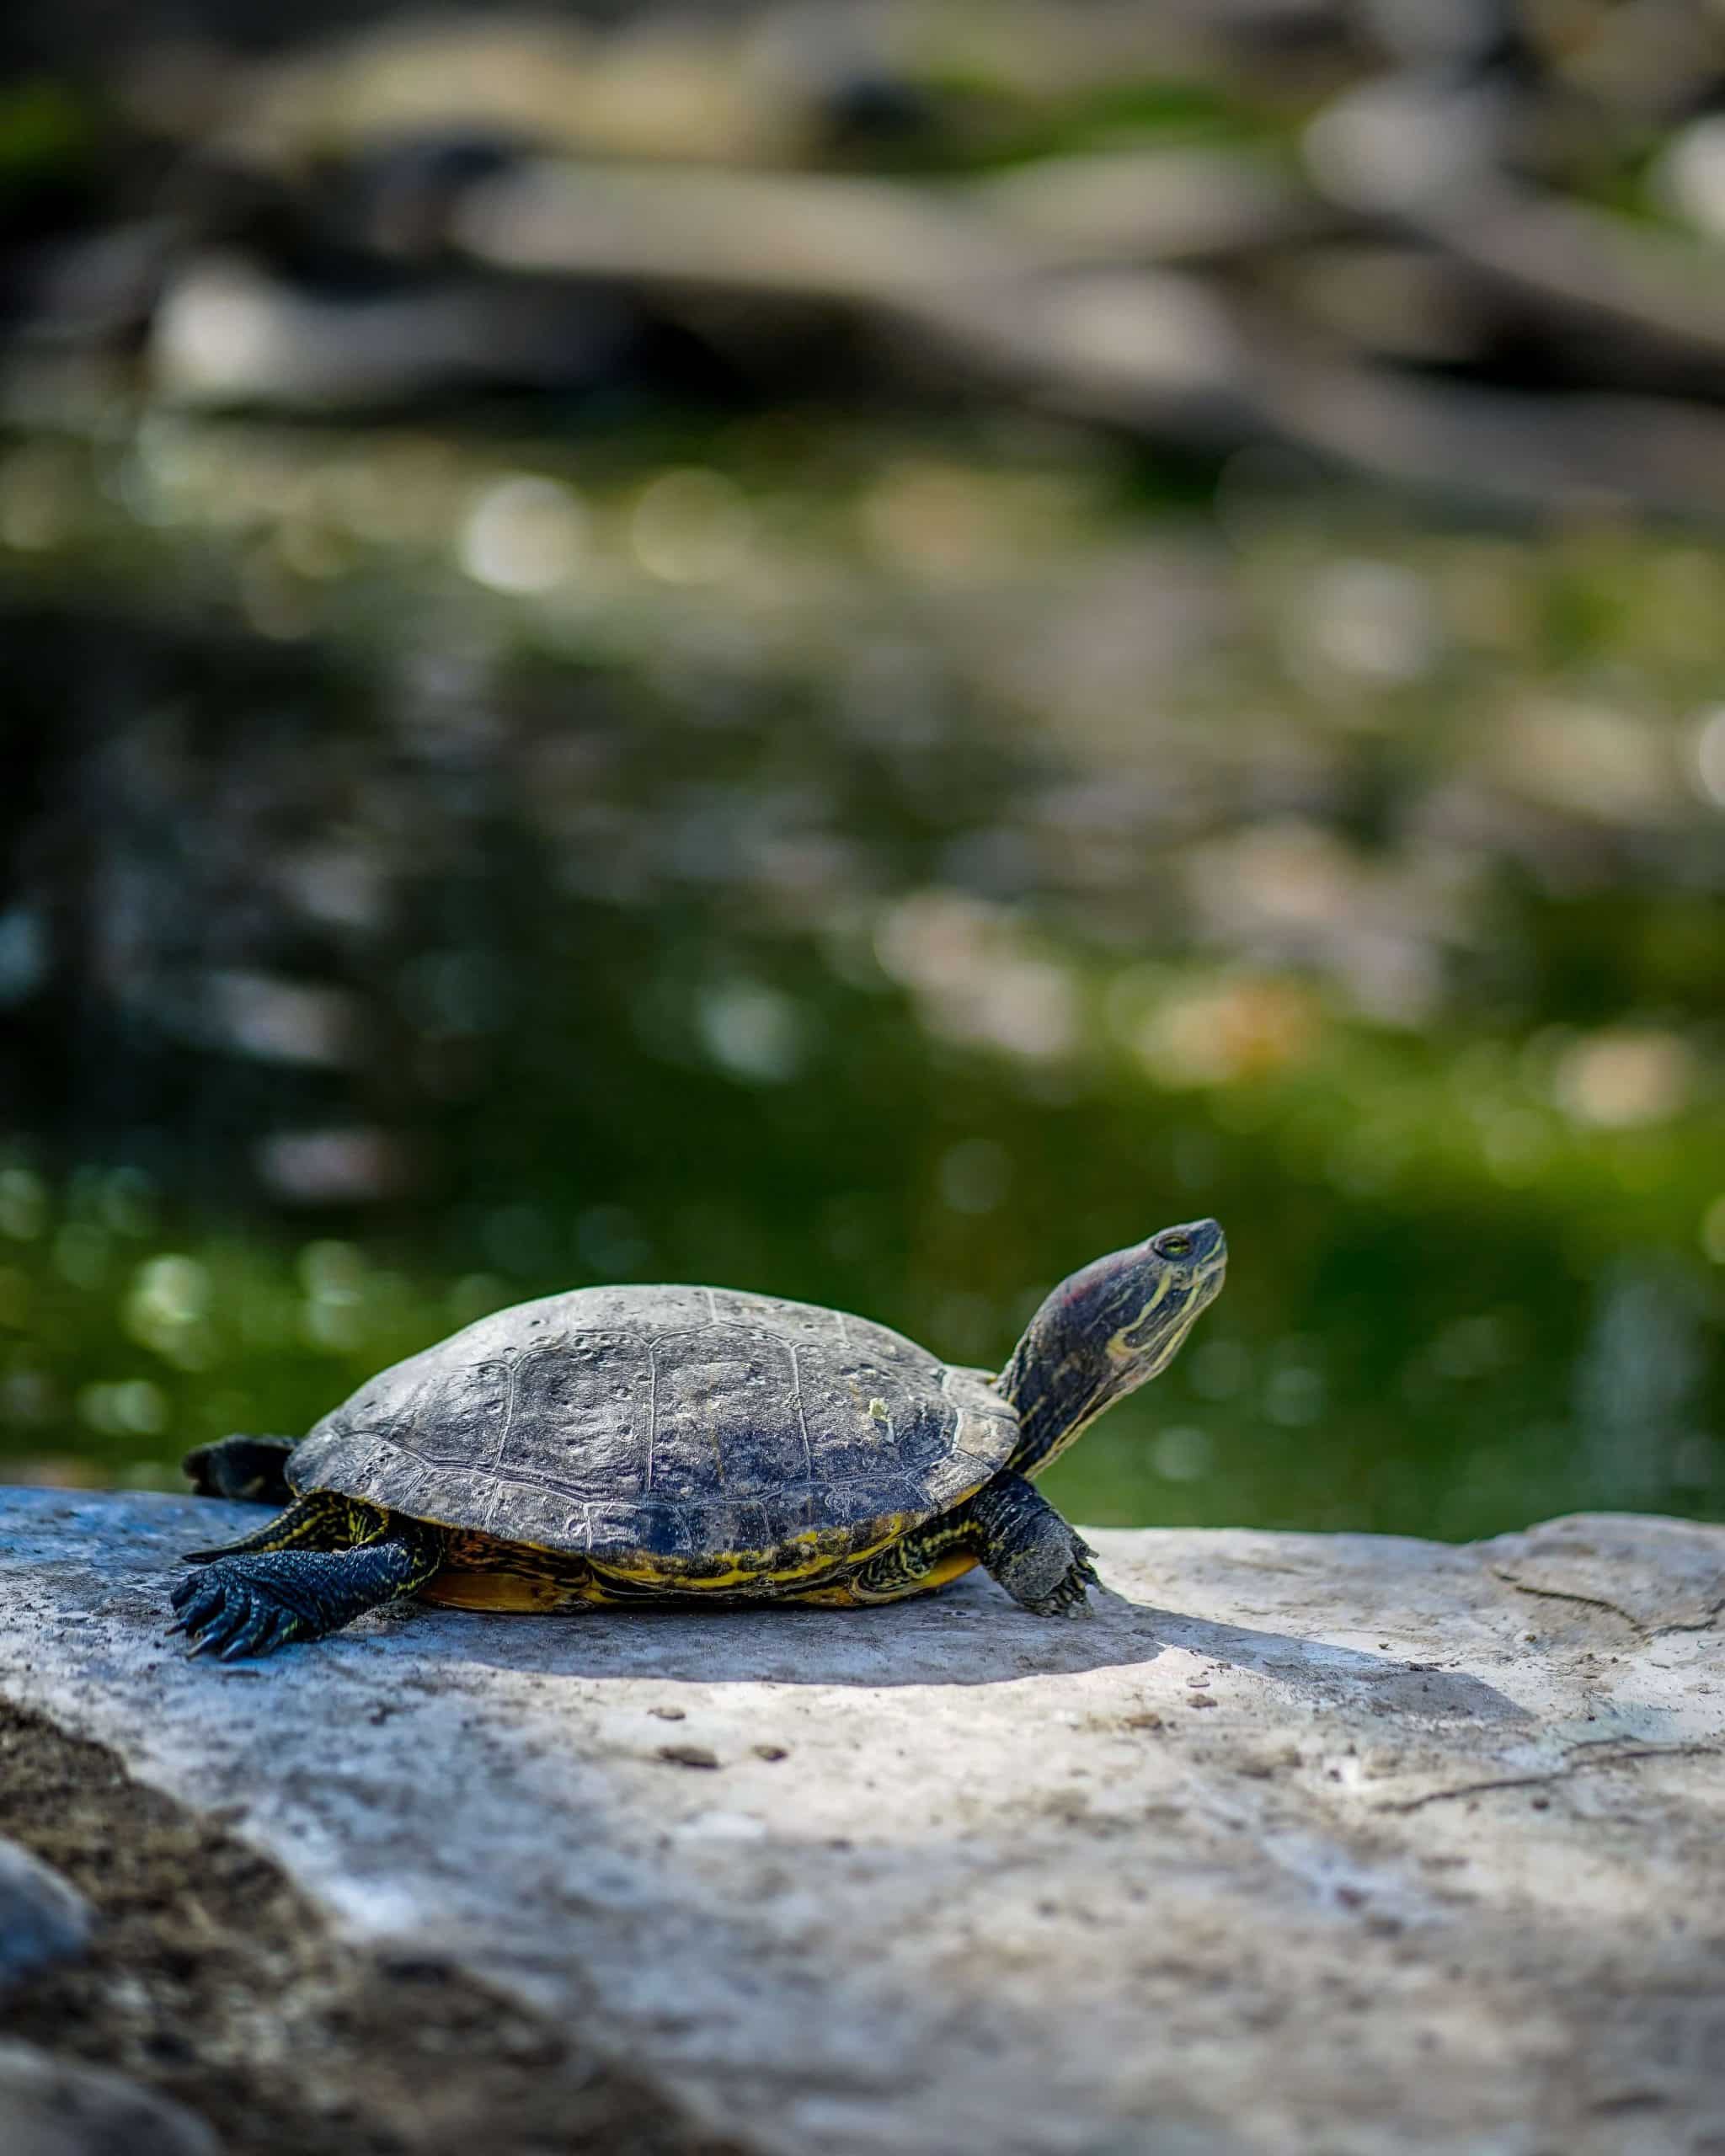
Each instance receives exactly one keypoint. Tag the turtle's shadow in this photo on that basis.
(970, 1635)
(967, 1634)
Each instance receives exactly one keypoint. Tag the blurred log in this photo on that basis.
(1436, 161)
(1587, 263)
(812, 236)
(1194, 293)
(1146, 206)
(228, 332)
(1521, 449)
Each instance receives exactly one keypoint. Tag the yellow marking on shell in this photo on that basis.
(567, 1575)
(485, 1573)
(841, 1595)
(509, 1592)
(742, 1565)
(727, 1570)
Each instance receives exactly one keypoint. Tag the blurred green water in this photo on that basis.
(882, 870)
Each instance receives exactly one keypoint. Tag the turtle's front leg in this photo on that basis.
(251, 1605)
(1042, 1562)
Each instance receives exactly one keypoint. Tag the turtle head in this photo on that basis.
(1113, 1325)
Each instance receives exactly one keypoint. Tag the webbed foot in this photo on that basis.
(251, 1604)
(236, 1608)
(1044, 1564)
(1070, 1596)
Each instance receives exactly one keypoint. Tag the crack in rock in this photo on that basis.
(1569, 1768)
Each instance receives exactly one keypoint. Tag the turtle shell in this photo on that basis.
(673, 1433)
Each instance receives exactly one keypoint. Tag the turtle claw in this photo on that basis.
(228, 1615)
(265, 1629)
(196, 1599)
(230, 1622)
(1071, 1597)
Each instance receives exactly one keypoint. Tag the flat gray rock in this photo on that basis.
(1339, 1844)
(43, 1917)
(50, 2108)
(1658, 1575)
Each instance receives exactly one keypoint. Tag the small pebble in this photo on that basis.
(668, 1714)
(56, 2107)
(43, 1917)
(1202, 1700)
(688, 1755)
(771, 1752)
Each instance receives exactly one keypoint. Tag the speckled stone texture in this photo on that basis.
(1330, 1843)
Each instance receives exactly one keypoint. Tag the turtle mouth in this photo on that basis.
(1205, 1287)
(1212, 1266)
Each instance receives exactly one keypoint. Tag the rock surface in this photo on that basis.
(43, 1917)
(1300, 1843)
(48, 2108)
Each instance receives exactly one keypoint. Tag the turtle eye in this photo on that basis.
(1174, 1245)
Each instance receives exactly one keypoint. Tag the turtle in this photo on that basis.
(697, 1445)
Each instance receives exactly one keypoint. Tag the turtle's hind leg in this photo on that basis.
(254, 1468)
(324, 1520)
(253, 1604)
